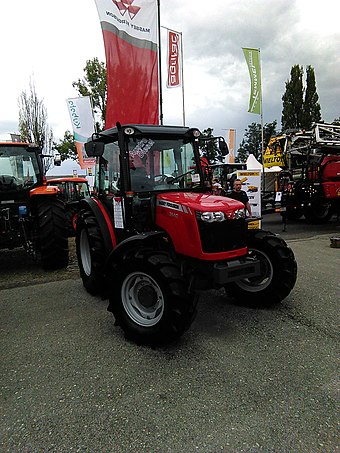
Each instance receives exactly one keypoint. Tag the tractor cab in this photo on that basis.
(140, 160)
(20, 169)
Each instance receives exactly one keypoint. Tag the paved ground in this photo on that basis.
(241, 380)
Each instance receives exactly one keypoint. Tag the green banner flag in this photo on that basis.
(253, 61)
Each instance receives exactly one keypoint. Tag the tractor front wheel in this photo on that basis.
(278, 271)
(150, 299)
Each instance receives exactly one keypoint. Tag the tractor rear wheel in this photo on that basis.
(278, 271)
(318, 213)
(91, 252)
(52, 233)
(150, 298)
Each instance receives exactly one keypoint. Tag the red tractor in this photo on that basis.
(32, 215)
(152, 236)
(72, 190)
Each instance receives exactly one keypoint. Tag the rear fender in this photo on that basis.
(44, 190)
(104, 219)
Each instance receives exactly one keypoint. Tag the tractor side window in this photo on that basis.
(110, 175)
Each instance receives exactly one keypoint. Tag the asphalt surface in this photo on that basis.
(240, 380)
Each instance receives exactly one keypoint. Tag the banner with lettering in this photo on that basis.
(252, 57)
(273, 155)
(174, 60)
(80, 110)
(131, 41)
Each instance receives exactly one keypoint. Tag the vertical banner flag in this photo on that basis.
(174, 60)
(131, 40)
(80, 110)
(252, 57)
(231, 155)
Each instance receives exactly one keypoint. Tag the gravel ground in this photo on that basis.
(18, 269)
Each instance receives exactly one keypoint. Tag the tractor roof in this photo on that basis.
(143, 129)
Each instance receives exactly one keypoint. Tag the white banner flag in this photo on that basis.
(80, 110)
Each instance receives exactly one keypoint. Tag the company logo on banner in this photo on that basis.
(174, 61)
(126, 6)
(80, 111)
(131, 40)
(252, 57)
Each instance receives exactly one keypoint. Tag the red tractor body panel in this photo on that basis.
(176, 214)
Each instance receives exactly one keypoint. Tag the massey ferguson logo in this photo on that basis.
(126, 6)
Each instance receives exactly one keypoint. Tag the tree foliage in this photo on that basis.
(300, 107)
(311, 106)
(33, 126)
(94, 84)
(292, 109)
(66, 147)
(252, 141)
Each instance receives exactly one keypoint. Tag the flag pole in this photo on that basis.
(262, 132)
(160, 64)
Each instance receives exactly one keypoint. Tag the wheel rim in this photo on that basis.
(262, 281)
(142, 299)
(85, 253)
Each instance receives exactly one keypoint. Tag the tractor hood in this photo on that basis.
(198, 201)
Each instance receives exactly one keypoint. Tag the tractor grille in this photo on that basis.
(222, 236)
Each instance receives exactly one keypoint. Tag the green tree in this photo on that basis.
(94, 84)
(33, 126)
(292, 109)
(336, 121)
(300, 107)
(66, 147)
(311, 106)
(252, 141)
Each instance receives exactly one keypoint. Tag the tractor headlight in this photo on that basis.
(239, 214)
(210, 217)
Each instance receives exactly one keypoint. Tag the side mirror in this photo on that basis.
(94, 149)
(223, 147)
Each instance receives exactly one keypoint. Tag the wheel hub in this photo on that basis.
(142, 299)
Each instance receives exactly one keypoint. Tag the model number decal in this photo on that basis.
(169, 205)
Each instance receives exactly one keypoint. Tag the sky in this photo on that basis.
(50, 42)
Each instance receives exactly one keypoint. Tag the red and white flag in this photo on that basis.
(131, 40)
(174, 78)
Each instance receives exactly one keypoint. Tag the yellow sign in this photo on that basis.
(247, 173)
(273, 154)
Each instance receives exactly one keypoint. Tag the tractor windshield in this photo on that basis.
(161, 164)
(18, 168)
